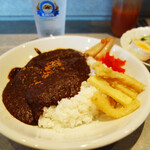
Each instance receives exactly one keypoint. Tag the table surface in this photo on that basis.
(138, 140)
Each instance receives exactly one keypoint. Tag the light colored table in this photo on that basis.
(138, 140)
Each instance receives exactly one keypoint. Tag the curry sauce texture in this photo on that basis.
(44, 81)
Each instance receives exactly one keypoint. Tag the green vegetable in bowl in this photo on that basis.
(130, 41)
(145, 38)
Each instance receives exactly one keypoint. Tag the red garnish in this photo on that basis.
(115, 63)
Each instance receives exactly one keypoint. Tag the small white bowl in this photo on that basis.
(135, 34)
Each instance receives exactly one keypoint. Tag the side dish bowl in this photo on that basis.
(94, 135)
(136, 34)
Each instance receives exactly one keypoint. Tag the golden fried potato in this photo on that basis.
(104, 104)
(128, 91)
(105, 72)
(117, 92)
(104, 87)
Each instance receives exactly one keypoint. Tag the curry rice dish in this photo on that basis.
(44, 81)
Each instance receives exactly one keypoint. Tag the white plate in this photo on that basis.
(84, 137)
(135, 33)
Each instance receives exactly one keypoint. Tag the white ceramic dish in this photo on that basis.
(135, 33)
(84, 137)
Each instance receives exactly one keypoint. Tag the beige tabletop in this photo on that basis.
(138, 140)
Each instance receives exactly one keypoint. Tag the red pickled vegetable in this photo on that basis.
(115, 63)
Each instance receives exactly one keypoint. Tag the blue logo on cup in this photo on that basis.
(47, 9)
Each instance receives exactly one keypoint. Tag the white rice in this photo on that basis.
(73, 112)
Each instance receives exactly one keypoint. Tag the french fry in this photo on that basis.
(106, 49)
(117, 92)
(94, 50)
(105, 72)
(103, 103)
(105, 88)
(128, 91)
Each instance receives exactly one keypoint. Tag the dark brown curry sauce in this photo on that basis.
(45, 80)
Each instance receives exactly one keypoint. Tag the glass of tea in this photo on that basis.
(125, 15)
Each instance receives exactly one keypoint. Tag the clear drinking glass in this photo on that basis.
(50, 16)
(125, 15)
